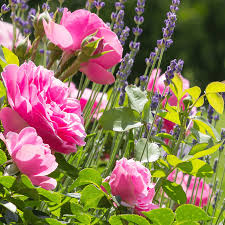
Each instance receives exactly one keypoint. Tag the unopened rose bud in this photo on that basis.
(11, 170)
(38, 23)
(23, 48)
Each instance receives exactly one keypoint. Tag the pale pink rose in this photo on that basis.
(31, 156)
(132, 182)
(159, 87)
(85, 97)
(6, 35)
(183, 181)
(73, 28)
(40, 100)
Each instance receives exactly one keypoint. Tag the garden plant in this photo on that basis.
(81, 145)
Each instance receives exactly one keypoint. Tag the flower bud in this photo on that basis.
(23, 48)
(11, 170)
(38, 23)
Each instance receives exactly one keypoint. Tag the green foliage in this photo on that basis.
(191, 213)
(163, 216)
(146, 151)
(3, 157)
(9, 58)
(137, 98)
(135, 219)
(120, 119)
(174, 191)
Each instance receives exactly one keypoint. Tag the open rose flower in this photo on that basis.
(85, 97)
(31, 156)
(69, 34)
(39, 100)
(6, 35)
(132, 182)
(183, 181)
(159, 87)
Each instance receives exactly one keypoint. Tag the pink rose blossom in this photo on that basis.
(40, 100)
(85, 97)
(6, 35)
(132, 182)
(73, 28)
(31, 156)
(159, 87)
(183, 180)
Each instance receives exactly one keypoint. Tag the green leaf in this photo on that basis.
(2, 90)
(87, 176)
(120, 119)
(146, 151)
(196, 167)
(3, 157)
(215, 87)
(50, 195)
(78, 213)
(107, 187)
(216, 101)
(202, 138)
(173, 160)
(174, 191)
(171, 116)
(198, 148)
(158, 173)
(7, 181)
(177, 86)
(8, 205)
(163, 216)
(139, 220)
(137, 98)
(65, 166)
(51, 221)
(26, 181)
(190, 212)
(186, 223)
(147, 114)
(195, 92)
(91, 196)
(10, 58)
(165, 136)
(204, 126)
(208, 151)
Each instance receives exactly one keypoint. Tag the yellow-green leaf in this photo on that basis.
(216, 101)
(215, 87)
(171, 116)
(177, 86)
(194, 92)
(199, 102)
(10, 58)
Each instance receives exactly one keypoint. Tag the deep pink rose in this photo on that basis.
(73, 28)
(6, 35)
(159, 87)
(39, 100)
(31, 156)
(183, 180)
(132, 182)
(85, 97)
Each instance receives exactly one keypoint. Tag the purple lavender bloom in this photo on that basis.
(143, 81)
(139, 20)
(124, 35)
(210, 113)
(168, 30)
(5, 9)
(98, 4)
(119, 24)
(149, 61)
(45, 6)
(137, 31)
(60, 10)
(155, 101)
(119, 6)
(174, 67)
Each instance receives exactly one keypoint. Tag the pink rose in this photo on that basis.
(132, 182)
(40, 100)
(6, 35)
(159, 87)
(73, 28)
(31, 156)
(85, 97)
(183, 180)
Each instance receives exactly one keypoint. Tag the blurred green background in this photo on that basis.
(199, 37)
